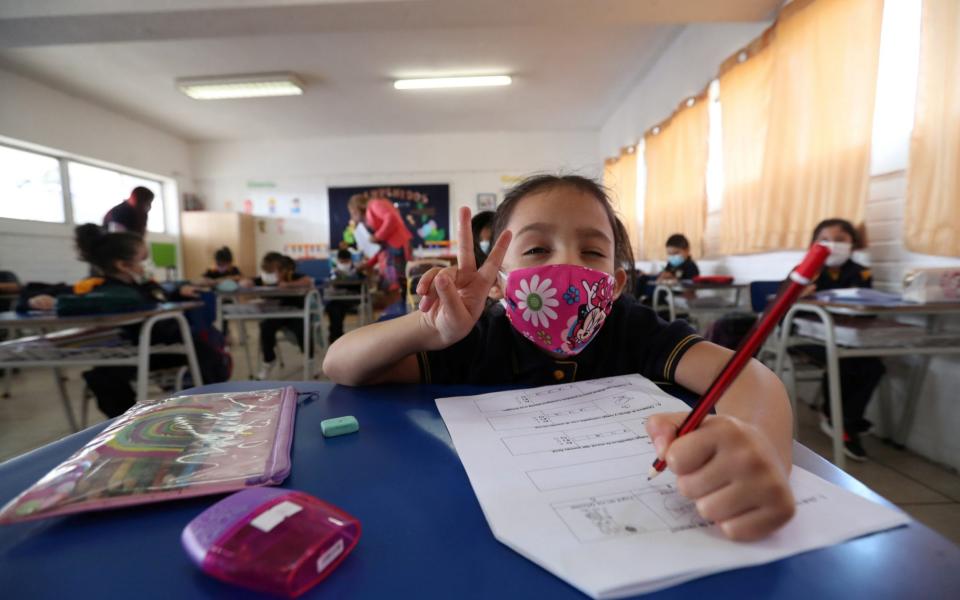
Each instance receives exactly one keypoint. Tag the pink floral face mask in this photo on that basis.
(558, 307)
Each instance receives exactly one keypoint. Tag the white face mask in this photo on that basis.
(269, 278)
(839, 253)
(485, 246)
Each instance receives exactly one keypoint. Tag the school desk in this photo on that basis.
(350, 290)
(256, 304)
(424, 535)
(709, 306)
(929, 341)
(83, 347)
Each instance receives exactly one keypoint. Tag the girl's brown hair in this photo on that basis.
(623, 254)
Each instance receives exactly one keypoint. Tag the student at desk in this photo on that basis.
(280, 271)
(680, 265)
(561, 316)
(859, 376)
(120, 257)
(223, 267)
(344, 270)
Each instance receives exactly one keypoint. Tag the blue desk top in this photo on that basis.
(424, 535)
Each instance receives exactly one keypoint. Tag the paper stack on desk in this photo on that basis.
(560, 473)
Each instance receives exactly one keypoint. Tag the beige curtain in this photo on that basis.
(745, 112)
(816, 154)
(932, 215)
(620, 178)
(676, 195)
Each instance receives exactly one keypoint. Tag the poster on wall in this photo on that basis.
(425, 209)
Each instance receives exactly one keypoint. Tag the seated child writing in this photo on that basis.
(280, 271)
(223, 267)
(680, 265)
(555, 267)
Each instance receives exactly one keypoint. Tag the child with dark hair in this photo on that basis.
(279, 270)
(119, 258)
(482, 226)
(680, 265)
(223, 266)
(859, 376)
(556, 273)
(345, 274)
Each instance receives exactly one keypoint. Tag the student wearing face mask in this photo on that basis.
(223, 268)
(344, 273)
(118, 258)
(280, 271)
(859, 376)
(482, 226)
(556, 274)
(680, 265)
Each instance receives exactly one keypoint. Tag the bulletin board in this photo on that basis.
(425, 209)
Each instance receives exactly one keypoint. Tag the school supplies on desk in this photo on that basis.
(273, 540)
(560, 473)
(859, 296)
(166, 449)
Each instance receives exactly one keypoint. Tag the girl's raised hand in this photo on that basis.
(454, 297)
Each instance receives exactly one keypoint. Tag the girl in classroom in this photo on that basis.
(119, 257)
(859, 376)
(281, 271)
(555, 272)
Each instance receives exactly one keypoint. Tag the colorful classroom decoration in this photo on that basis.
(425, 209)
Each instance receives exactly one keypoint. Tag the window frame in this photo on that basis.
(64, 185)
(64, 160)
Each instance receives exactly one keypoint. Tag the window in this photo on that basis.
(30, 186)
(95, 190)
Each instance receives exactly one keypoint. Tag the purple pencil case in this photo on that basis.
(272, 540)
(178, 447)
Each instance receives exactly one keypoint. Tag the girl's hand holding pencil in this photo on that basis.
(730, 470)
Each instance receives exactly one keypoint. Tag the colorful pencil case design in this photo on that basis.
(172, 448)
(269, 539)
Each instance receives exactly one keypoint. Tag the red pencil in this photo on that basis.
(800, 277)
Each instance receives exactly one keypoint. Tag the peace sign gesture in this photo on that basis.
(454, 297)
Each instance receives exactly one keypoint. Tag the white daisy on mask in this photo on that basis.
(536, 299)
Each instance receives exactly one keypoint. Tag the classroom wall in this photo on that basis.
(471, 163)
(684, 69)
(51, 119)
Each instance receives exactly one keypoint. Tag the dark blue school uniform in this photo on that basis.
(632, 340)
(859, 376)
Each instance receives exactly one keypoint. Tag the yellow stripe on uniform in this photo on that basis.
(673, 354)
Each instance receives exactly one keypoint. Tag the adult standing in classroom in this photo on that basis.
(387, 229)
(131, 214)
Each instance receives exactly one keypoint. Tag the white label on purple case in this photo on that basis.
(330, 555)
(269, 519)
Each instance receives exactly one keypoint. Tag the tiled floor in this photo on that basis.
(33, 416)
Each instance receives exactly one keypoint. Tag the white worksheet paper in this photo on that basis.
(561, 475)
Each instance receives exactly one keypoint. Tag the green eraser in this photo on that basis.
(339, 426)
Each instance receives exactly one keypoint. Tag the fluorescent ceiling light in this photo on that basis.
(451, 82)
(241, 86)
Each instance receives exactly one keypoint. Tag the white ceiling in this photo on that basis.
(572, 60)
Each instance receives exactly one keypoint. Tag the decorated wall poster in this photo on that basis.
(425, 209)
